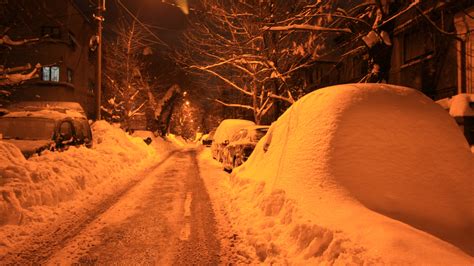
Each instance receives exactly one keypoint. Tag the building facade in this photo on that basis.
(431, 49)
(51, 40)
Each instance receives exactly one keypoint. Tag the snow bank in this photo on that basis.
(176, 140)
(28, 186)
(459, 105)
(363, 173)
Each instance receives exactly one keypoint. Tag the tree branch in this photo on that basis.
(234, 105)
(305, 27)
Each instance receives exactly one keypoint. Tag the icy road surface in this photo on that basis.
(164, 218)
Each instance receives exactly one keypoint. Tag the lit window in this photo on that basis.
(50, 73)
(46, 73)
(55, 73)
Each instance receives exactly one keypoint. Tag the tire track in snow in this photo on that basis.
(202, 247)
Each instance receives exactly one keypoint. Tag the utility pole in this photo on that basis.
(100, 19)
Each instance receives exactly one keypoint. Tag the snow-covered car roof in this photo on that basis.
(228, 127)
(55, 105)
(51, 114)
(46, 109)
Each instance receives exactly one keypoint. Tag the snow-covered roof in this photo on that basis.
(369, 163)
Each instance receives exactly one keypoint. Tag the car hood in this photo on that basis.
(29, 147)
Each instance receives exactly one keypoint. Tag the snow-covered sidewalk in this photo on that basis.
(37, 191)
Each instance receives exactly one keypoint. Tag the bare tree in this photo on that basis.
(128, 89)
(264, 49)
(10, 76)
(225, 41)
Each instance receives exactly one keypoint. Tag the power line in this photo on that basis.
(142, 24)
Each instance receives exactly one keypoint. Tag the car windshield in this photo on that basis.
(27, 128)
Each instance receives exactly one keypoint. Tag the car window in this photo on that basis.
(239, 135)
(27, 128)
(65, 129)
(257, 134)
(82, 129)
(234, 137)
(79, 129)
(86, 129)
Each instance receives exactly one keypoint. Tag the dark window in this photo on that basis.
(52, 32)
(417, 44)
(70, 75)
(50, 73)
(91, 87)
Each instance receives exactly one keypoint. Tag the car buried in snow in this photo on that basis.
(38, 126)
(207, 139)
(241, 145)
(224, 132)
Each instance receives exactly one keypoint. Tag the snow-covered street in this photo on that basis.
(171, 203)
(181, 132)
(162, 217)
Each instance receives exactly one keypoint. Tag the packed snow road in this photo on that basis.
(164, 218)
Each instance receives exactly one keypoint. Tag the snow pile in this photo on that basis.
(458, 105)
(27, 187)
(160, 145)
(364, 173)
(176, 140)
(461, 105)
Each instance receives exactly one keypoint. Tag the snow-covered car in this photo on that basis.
(224, 132)
(37, 126)
(377, 163)
(241, 145)
(207, 139)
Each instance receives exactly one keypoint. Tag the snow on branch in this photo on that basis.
(6, 40)
(413, 4)
(305, 27)
(287, 99)
(234, 105)
(16, 78)
(131, 113)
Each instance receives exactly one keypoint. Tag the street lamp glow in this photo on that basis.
(187, 103)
